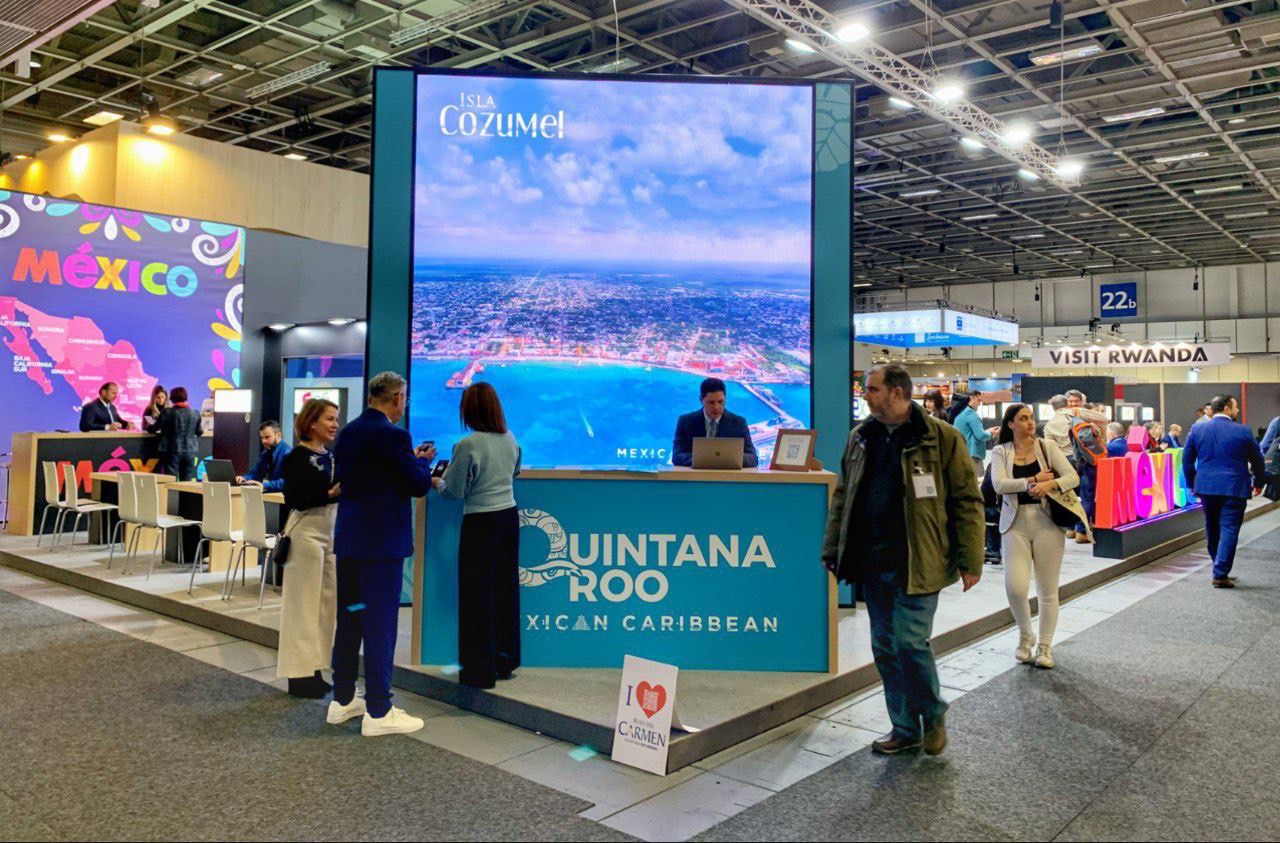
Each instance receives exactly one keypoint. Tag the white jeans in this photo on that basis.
(1033, 540)
(309, 604)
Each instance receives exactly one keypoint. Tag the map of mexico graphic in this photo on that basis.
(90, 294)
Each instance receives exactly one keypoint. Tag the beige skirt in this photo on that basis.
(310, 594)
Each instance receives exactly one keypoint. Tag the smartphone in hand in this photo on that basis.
(438, 471)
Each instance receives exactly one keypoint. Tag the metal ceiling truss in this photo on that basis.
(1214, 67)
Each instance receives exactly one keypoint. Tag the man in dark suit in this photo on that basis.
(379, 472)
(1217, 461)
(101, 413)
(712, 421)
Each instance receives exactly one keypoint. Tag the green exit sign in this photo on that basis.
(1009, 354)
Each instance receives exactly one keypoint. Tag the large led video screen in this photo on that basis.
(595, 248)
(90, 294)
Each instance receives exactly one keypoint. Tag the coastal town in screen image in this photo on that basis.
(594, 249)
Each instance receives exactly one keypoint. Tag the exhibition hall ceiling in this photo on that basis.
(1171, 105)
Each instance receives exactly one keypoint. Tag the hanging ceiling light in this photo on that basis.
(853, 31)
(948, 92)
(970, 142)
(1017, 133)
(1024, 173)
(900, 103)
(1070, 168)
(799, 46)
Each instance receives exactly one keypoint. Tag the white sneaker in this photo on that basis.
(1025, 644)
(394, 722)
(342, 713)
(1044, 656)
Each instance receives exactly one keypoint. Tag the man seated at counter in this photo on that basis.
(714, 422)
(266, 471)
(101, 413)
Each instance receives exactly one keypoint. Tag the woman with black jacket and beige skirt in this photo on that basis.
(308, 613)
(1028, 474)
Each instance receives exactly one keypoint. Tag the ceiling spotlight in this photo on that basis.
(973, 217)
(295, 156)
(280, 326)
(160, 125)
(948, 92)
(58, 137)
(970, 142)
(1226, 188)
(1236, 121)
(1070, 168)
(800, 46)
(854, 31)
(1017, 133)
(1028, 175)
(340, 321)
(899, 103)
(929, 191)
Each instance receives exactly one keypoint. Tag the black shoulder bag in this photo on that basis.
(1059, 514)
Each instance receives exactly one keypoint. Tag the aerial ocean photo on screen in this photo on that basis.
(595, 251)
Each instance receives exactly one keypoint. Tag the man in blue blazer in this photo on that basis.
(379, 473)
(101, 413)
(712, 421)
(1217, 461)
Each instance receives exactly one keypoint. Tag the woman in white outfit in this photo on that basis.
(310, 590)
(1027, 474)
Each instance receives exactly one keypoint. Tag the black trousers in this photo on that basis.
(488, 597)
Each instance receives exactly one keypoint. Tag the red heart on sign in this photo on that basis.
(650, 698)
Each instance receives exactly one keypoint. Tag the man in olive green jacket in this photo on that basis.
(906, 521)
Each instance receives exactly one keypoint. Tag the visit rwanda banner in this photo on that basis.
(90, 293)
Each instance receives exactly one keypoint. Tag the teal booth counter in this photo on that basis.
(707, 570)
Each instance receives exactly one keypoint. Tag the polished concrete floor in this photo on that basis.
(812, 777)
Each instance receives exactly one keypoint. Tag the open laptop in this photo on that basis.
(723, 453)
(220, 471)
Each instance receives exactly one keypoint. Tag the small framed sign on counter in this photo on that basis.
(794, 450)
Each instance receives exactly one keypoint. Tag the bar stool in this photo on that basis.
(254, 535)
(215, 523)
(53, 504)
(128, 513)
(147, 492)
(73, 504)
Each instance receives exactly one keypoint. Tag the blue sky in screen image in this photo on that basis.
(681, 172)
(643, 236)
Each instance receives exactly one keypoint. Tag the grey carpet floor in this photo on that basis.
(1160, 723)
(104, 737)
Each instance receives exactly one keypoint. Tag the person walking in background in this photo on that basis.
(180, 436)
(1217, 462)
(1173, 438)
(935, 405)
(976, 437)
(1117, 444)
(905, 522)
(155, 409)
(1027, 473)
(308, 611)
(959, 401)
(1079, 446)
(1272, 434)
(267, 471)
(1204, 414)
(482, 474)
(380, 473)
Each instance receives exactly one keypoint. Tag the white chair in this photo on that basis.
(127, 492)
(73, 504)
(53, 504)
(215, 523)
(254, 535)
(147, 499)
